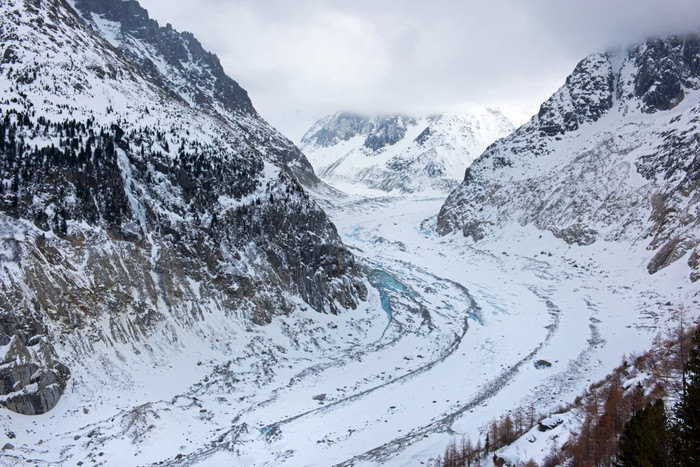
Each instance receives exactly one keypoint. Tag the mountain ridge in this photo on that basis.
(177, 62)
(129, 217)
(400, 153)
(631, 132)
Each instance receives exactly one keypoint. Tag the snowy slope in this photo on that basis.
(177, 63)
(613, 155)
(145, 269)
(400, 154)
(437, 349)
(131, 221)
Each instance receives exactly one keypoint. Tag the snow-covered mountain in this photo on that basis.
(180, 66)
(143, 201)
(151, 222)
(613, 155)
(399, 153)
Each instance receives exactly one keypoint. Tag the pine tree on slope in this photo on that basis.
(687, 429)
(645, 438)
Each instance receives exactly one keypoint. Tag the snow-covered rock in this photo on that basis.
(611, 155)
(137, 202)
(396, 153)
(31, 379)
(178, 64)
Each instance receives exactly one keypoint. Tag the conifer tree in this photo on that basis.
(645, 438)
(687, 429)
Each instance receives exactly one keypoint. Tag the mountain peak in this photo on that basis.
(619, 130)
(395, 152)
(650, 76)
(178, 64)
(205, 84)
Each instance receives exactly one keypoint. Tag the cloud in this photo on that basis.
(303, 59)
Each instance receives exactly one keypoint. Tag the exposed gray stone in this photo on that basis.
(31, 381)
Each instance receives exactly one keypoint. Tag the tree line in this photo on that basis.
(55, 172)
(654, 437)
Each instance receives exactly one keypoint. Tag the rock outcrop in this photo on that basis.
(31, 379)
(611, 155)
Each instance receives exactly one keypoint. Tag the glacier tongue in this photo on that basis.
(468, 322)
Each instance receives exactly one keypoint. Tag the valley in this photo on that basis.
(536, 298)
(468, 322)
(181, 285)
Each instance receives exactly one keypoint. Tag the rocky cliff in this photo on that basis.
(612, 155)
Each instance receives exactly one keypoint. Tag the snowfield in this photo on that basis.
(446, 341)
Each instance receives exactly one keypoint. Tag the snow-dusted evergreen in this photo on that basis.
(400, 154)
(612, 155)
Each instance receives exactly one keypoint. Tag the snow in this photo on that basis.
(445, 342)
(455, 140)
(110, 30)
(4, 349)
(127, 177)
(536, 444)
(393, 393)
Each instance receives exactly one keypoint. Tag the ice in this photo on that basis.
(448, 338)
(468, 323)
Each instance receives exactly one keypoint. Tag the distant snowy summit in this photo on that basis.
(397, 153)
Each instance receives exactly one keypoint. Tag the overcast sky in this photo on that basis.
(300, 60)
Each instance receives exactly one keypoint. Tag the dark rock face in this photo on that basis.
(423, 136)
(387, 131)
(665, 68)
(577, 233)
(586, 95)
(340, 127)
(31, 380)
(379, 132)
(694, 264)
